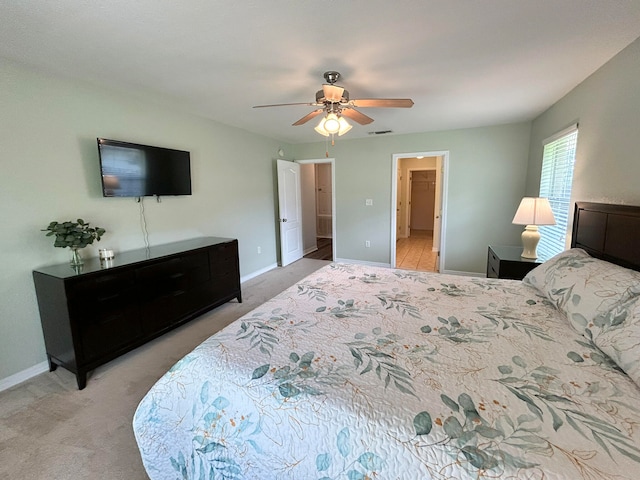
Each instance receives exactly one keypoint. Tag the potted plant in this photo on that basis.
(75, 235)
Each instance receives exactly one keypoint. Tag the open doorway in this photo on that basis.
(318, 208)
(414, 248)
(418, 195)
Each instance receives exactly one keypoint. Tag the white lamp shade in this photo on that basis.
(534, 211)
(331, 123)
(344, 126)
(320, 128)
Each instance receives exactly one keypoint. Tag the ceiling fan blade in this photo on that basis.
(383, 102)
(332, 93)
(308, 117)
(356, 116)
(284, 105)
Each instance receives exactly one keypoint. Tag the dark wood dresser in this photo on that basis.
(106, 308)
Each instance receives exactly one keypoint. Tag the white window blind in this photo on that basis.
(555, 184)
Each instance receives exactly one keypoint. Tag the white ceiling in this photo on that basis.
(465, 63)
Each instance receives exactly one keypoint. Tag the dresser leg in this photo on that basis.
(81, 378)
(52, 365)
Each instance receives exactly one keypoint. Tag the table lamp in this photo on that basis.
(533, 211)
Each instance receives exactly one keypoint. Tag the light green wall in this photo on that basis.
(607, 107)
(486, 179)
(49, 171)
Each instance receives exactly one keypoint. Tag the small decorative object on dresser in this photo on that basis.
(75, 235)
(506, 262)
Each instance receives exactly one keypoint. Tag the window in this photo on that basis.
(555, 184)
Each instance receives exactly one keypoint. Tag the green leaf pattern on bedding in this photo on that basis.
(373, 354)
(487, 444)
(347, 460)
(363, 372)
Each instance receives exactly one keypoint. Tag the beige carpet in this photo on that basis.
(51, 430)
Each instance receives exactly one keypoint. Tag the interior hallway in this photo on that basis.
(324, 251)
(416, 252)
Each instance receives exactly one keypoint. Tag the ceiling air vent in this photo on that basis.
(380, 132)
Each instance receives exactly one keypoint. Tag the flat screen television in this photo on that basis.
(133, 170)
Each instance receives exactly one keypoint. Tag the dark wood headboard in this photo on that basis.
(610, 232)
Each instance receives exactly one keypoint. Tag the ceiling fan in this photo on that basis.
(334, 101)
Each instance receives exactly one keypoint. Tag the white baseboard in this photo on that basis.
(362, 262)
(465, 274)
(24, 375)
(258, 272)
(310, 250)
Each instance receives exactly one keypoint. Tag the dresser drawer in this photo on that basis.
(493, 265)
(101, 289)
(105, 331)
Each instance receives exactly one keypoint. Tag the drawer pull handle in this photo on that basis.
(108, 297)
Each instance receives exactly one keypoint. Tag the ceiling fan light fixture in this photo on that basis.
(331, 123)
(320, 128)
(344, 126)
(333, 102)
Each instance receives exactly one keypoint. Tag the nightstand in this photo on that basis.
(506, 262)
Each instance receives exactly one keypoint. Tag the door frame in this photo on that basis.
(444, 180)
(332, 161)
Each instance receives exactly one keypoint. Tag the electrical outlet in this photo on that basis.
(259, 249)
(367, 243)
(368, 202)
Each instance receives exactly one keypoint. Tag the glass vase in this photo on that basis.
(76, 259)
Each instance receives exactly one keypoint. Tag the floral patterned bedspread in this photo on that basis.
(361, 372)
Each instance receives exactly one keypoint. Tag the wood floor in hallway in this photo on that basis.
(416, 252)
(324, 251)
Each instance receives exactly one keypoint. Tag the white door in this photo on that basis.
(290, 208)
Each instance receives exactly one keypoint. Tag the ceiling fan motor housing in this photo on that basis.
(332, 76)
(320, 98)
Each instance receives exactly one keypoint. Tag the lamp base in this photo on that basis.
(530, 239)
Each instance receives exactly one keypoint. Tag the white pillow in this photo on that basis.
(583, 287)
(618, 335)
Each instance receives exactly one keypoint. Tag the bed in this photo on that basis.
(360, 372)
